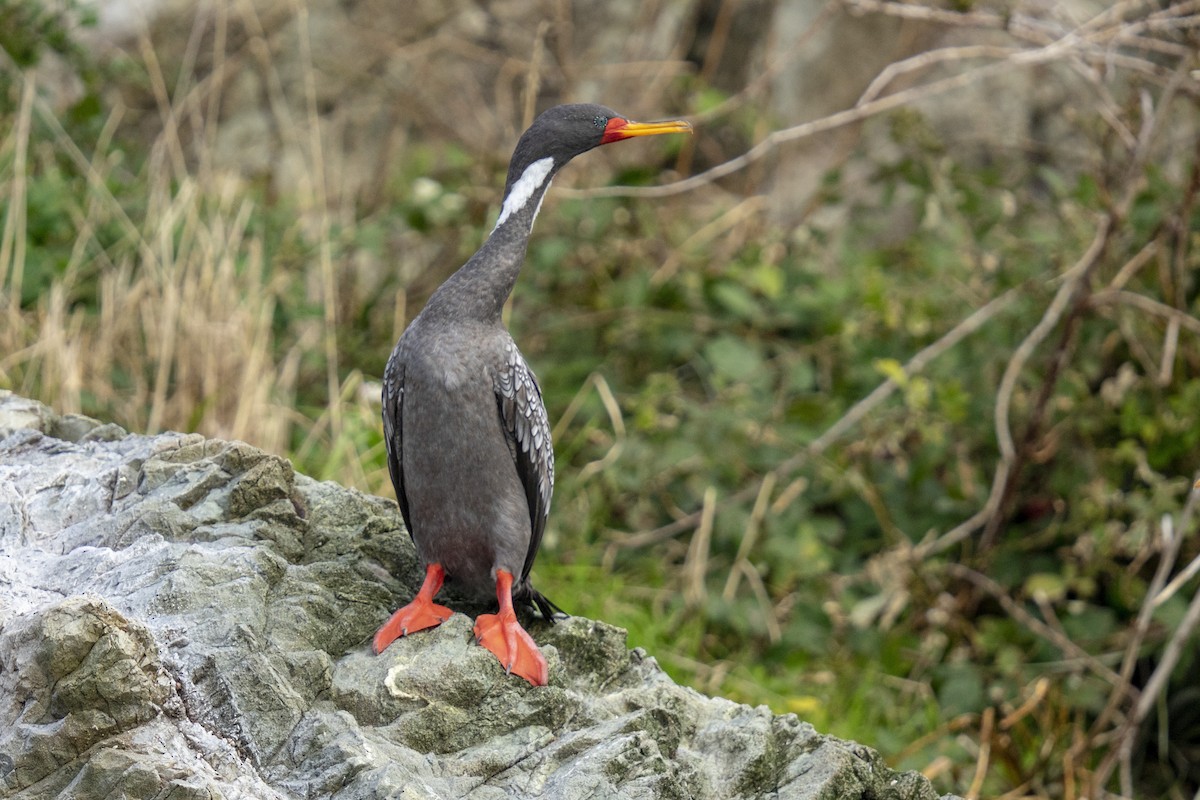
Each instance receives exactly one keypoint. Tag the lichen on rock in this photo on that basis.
(190, 618)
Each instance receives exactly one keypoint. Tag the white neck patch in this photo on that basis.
(530, 181)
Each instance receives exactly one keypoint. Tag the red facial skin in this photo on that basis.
(612, 131)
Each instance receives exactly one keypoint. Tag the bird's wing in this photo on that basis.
(393, 439)
(523, 417)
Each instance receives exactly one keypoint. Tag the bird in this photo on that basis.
(466, 432)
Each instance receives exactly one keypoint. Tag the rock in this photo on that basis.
(190, 618)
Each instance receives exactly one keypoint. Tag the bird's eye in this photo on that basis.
(599, 121)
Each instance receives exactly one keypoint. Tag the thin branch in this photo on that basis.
(1088, 40)
(1035, 625)
(1170, 657)
(728, 219)
(750, 536)
(1072, 280)
(1189, 572)
(985, 753)
(928, 59)
(1075, 282)
(1124, 687)
(972, 19)
(1109, 297)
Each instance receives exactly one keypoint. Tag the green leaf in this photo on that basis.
(892, 369)
(737, 300)
(733, 360)
(1049, 586)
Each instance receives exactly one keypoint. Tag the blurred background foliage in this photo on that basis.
(911, 458)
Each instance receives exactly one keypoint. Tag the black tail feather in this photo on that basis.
(546, 607)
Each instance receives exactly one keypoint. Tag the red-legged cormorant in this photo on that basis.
(467, 437)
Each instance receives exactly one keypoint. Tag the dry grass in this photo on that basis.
(183, 323)
(180, 336)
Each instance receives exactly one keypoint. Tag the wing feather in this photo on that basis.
(523, 416)
(393, 438)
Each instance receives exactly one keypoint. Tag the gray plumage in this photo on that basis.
(466, 431)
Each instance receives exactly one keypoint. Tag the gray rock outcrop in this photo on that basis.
(189, 618)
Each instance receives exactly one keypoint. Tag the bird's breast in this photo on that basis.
(468, 507)
(448, 360)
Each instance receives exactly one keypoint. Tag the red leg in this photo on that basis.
(418, 615)
(508, 641)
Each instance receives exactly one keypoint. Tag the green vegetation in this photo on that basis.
(892, 572)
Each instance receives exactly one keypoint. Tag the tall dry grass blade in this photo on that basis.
(695, 564)
(12, 243)
(741, 561)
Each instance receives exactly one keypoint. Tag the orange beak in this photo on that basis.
(618, 129)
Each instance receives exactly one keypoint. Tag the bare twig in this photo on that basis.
(1071, 281)
(928, 59)
(729, 218)
(1070, 294)
(1091, 40)
(1035, 625)
(774, 630)
(972, 19)
(914, 366)
(613, 409)
(1040, 689)
(1147, 304)
(717, 40)
(13, 240)
(1134, 265)
(1170, 656)
(696, 562)
(985, 753)
(750, 537)
(533, 77)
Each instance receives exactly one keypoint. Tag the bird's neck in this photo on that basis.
(479, 289)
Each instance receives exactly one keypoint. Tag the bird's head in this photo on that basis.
(563, 132)
(566, 131)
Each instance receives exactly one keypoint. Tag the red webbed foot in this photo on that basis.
(418, 615)
(508, 641)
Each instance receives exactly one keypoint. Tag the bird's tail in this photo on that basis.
(546, 607)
